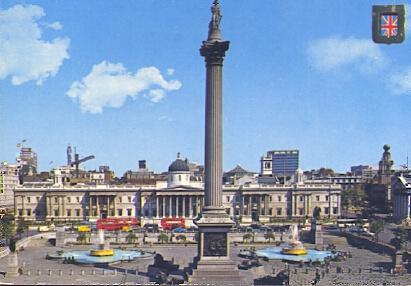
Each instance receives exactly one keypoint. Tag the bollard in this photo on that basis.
(82, 272)
(103, 272)
(38, 272)
(115, 272)
(71, 272)
(295, 271)
(306, 270)
(93, 272)
(273, 270)
(28, 273)
(60, 272)
(50, 272)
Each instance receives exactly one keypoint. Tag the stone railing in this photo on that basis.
(25, 241)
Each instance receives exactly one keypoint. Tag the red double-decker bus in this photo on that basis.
(171, 223)
(114, 223)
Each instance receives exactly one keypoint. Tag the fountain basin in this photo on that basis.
(277, 253)
(102, 252)
(85, 257)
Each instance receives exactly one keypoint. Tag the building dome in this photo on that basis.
(179, 165)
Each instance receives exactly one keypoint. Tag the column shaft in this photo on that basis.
(213, 136)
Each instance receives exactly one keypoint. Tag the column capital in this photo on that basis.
(214, 52)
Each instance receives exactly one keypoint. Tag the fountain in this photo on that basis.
(102, 255)
(102, 247)
(295, 246)
(294, 250)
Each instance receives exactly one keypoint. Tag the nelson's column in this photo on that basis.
(213, 263)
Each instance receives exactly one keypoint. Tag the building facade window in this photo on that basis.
(28, 211)
(301, 211)
(279, 198)
(227, 199)
(28, 199)
(279, 211)
(335, 210)
(317, 198)
(128, 212)
(69, 212)
(129, 199)
(69, 199)
(327, 198)
(77, 212)
(78, 199)
(326, 210)
(56, 200)
(56, 213)
(270, 211)
(301, 198)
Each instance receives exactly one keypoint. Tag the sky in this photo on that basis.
(124, 81)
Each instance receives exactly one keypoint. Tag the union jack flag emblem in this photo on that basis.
(389, 25)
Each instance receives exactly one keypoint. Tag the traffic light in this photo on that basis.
(388, 24)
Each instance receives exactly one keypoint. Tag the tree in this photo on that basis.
(247, 237)
(22, 226)
(352, 197)
(6, 229)
(269, 236)
(181, 237)
(131, 238)
(376, 227)
(162, 238)
(82, 238)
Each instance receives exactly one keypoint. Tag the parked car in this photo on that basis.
(179, 230)
(3, 243)
(151, 227)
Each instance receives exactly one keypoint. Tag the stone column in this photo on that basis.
(243, 204)
(115, 206)
(213, 52)
(98, 206)
(170, 212)
(16, 211)
(60, 207)
(63, 203)
(90, 206)
(163, 202)
(249, 208)
(184, 206)
(23, 206)
(177, 205)
(266, 199)
(190, 207)
(157, 207)
(108, 205)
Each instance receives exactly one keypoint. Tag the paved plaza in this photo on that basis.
(364, 268)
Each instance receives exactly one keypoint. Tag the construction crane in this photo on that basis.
(77, 161)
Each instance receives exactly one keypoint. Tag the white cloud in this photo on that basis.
(170, 71)
(109, 85)
(55, 26)
(25, 56)
(401, 83)
(335, 52)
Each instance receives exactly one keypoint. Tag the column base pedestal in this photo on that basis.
(213, 266)
(12, 266)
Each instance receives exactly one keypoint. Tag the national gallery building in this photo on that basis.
(176, 197)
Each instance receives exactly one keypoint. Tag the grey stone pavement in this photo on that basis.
(38, 270)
